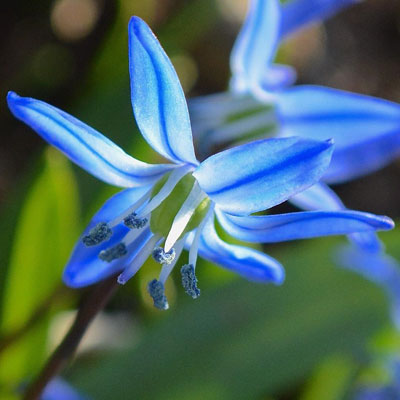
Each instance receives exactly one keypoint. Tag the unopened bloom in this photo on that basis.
(169, 206)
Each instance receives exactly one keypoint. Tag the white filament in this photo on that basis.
(194, 248)
(182, 218)
(139, 260)
(173, 179)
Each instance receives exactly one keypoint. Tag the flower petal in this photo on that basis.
(252, 264)
(256, 44)
(298, 14)
(84, 266)
(301, 225)
(262, 174)
(84, 145)
(321, 197)
(157, 97)
(366, 130)
(318, 197)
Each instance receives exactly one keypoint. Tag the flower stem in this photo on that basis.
(93, 304)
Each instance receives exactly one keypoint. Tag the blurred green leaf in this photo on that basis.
(331, 379)
(244, 340)
(47, 229)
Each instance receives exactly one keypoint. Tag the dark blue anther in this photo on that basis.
(97, 235)
(162, 257)
(157, 292)
(113, 252)
(135, 223)
(189, 281)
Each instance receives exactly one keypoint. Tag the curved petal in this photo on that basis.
(256, 44)
(366, 130)
(318, 197)
(321, 197)
(298, 14)
(252, 264)
(262, 174)
(84, 145)
(157, 97)
(301, 225)
(84, 267)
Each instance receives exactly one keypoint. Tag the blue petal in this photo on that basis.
(252, 264)
(297, 14)
(256, 44)
(262, 174)
(317, 198)
(84, 145)
(157, 97)
(320, 197)
(301, 225)
(366, 130)
(378, 268)
(84, 267)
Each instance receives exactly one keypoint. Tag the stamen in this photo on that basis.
(139, 260)
(167, 268)
(182, 218)
(113, 253)
(196, 240)
(189, 281)
(131, 209)
(173, 179)
(157, 292)
(163, 257)
(97, 235)
(132, 222)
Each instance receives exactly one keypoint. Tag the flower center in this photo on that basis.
(159, 224)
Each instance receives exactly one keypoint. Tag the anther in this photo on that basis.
(189, 281)
(97, 235)
(132, 222)
(113, 252)
(157, 292)
(163, 257)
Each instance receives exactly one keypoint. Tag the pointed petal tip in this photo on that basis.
(387, 223)
(279, 277)
(12, 95)
(135, 21)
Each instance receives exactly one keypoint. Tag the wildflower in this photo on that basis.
(169, 206)
(261, 103)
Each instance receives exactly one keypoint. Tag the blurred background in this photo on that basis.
(325, 332)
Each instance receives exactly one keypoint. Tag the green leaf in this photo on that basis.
(47, 229)
(243, 340)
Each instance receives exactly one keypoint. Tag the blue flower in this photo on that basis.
(261, 103)
(168, 206)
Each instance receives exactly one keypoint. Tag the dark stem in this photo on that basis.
(93, 304)
(41, 311)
